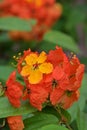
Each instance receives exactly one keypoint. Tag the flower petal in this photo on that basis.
(46, 68)
(11, 79)
(15, 122)
(67, 100)
(55, 95)
(26, 70)
(38, 96)
(31, 59)
(35, 77)
(42, 57)
(58, 73)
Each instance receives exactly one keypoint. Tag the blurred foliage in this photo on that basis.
(16, 24)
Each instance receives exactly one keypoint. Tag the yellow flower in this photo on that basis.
(36, 66)
(38, 3)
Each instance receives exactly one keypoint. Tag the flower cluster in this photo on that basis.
(15, 122)
(14, 90)
(52, 78)
(46, 12)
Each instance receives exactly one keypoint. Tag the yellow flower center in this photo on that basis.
(35, 66)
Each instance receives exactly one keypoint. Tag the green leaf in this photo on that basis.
(51, 110)
(81, 120)
(16, 24)
(5, 72)
(81, 102)
(79, 13)
(59, 113)
(4, 38)
(38, 120)
(84, 86)
(53, 127)
(60, 39)
(6, 109)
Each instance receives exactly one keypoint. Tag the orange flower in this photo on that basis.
(37, 95)
(56, 95)
(64, 98)
(80, 72)
(38, 3)
(75, 75)
(70, 66)
(15, 123)
(14, 90)
(35, 67)
(58, 84)
(66, 76)
(68, 98)
(74, 64)
(55, 84)
(56, 56)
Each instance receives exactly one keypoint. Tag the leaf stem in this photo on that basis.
(63, 118)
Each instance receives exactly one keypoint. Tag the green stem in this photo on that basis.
(63, 119)
(3, 124)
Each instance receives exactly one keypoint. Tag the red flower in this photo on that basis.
(15, 123)
(55, 95)
(14, 90)
(68, 98)
(49, 2)
(57, 78)
(56, 57)
(37, 95)
(60, 76)
(75, 75)
(55, 84)
(73, 64)
(80, 72)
